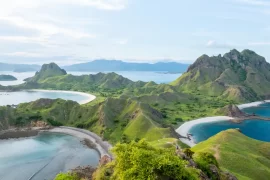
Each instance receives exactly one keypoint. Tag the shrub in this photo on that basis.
(143, 161)
(204, 160)
(66, 176)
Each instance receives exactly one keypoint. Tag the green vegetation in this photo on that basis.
(246, 158)
(7, 78)
(143, 161)
(67, 176)
(242, 77)
(114, 119)
(128, 111)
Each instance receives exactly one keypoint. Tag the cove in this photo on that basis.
(257, 129)
(43, 156)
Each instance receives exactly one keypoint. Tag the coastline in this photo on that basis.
(252, 104)
(97, 143)
(90, 97)
(184, 129)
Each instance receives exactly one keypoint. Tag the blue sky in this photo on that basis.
(74, 31)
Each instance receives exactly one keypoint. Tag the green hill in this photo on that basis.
(51, 76)
(245, 157)
(46, 71)
(114, 119)
(241, 76)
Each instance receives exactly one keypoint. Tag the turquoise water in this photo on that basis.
(43, 156)
(9, 98)
(261, 110)
(257, 129)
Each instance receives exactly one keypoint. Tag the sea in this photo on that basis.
(157, 77)
(254, 128)
(42, 157)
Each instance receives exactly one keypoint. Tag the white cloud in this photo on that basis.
(214, 44)
(45, 29)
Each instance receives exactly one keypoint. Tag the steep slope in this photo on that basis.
(46, 71)
(244, 157)
(114, 119)
(51, 76)
(242, 76)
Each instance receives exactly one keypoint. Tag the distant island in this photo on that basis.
(102, 65)
(24, 69)
(7, 78)
(118, 65)
(19, 67)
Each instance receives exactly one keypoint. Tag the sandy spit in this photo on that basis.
(102, 147)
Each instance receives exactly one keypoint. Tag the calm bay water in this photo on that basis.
(9, 98)
(257, 129)
(43, 156)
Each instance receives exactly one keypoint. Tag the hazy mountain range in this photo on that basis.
(104, 65)
(117, 65)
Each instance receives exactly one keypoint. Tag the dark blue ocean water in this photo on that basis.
(257, 129)
(261, 110)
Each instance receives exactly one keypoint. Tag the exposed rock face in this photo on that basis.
(39, 124)
(104, 160)
(228, 176)
(233, 111)
(84, 172)
(238, 76)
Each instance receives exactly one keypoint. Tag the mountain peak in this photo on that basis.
(233, 55)
(239, 76)
(48, 70)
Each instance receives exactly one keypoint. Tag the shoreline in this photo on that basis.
(252, 104)
(184, 129)
(102, 147)
(90, 97)
(87, 138)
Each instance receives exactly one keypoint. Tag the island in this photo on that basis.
(7, 78)
(140, 119)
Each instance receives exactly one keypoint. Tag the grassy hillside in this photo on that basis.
(240, 76)
(244, 157)
(114, 119)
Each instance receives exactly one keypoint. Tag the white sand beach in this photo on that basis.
(253, 104)
(90, 97)
(183, 130)
(102, 147)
